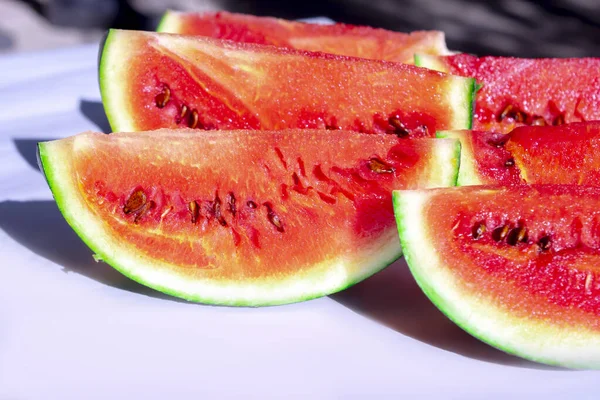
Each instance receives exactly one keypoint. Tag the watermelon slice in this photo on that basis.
(348, 40)
(566, 154)
(517, 267)
(518, 91)
(241, 217)
(158, 80)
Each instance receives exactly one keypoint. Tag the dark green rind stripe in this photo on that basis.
(163, 20)
(458, 155)
(472, 92)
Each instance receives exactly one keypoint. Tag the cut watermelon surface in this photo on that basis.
(566, 154)
(158, 80)
(517, 267)
(342, 39)
(241, 217)
(519, 91)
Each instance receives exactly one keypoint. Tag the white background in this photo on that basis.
(71, 328)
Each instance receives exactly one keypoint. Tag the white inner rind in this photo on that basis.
(445, 164)
(461, 95)
(169, 23)
(541, 341)
(328, 276)
(467, 174)
(112, 72)
(442, 47)
(431, 62)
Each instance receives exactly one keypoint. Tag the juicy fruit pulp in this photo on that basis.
(516, 267)
(153, 80)
(241, 217)
(566, 154)
(517, 91)
(348, 40)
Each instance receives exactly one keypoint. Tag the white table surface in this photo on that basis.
(71, 328)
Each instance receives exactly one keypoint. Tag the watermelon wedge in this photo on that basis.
(342, 39)
(516, 267)
(241, 217)
(566, 154)
(519, 91)
(158, 80)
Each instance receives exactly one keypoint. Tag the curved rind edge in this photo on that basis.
(443, 47)
(467, 173)
(111, 86)
(56, 166)
(103, 80)
(532, 340)
(166, 22)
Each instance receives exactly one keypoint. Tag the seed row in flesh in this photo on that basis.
(393, 125)
(137, 204)
(500, 141)
(514, 113)
(190, 117)
(513, 234)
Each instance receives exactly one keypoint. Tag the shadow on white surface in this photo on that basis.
(39, 226)
(94, 111)
(27, 148)
(393, 298)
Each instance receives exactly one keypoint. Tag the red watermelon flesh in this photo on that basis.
(241, 217)
(342, 39)
(158, 80)
(518, 91)
(516, 266)
(566, 154)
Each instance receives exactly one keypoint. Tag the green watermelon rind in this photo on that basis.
(113, 105)
(295, 289)
(166, 21)
(467, 174)
(532, 340)
(462, 92)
